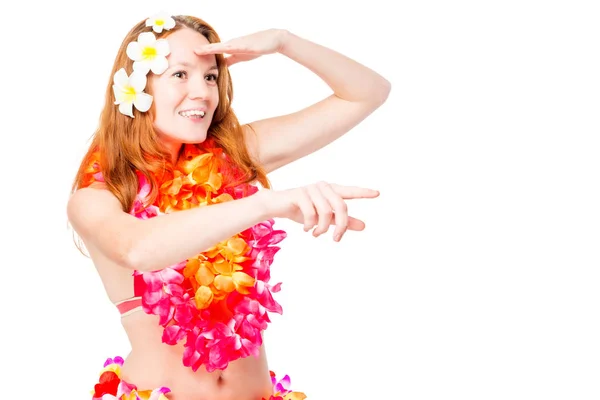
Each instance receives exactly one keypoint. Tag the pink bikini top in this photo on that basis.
(132, 304)
(129, 306)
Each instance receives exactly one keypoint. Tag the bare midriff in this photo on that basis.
(152, 364)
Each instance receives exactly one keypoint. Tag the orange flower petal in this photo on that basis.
(135, 395)
(204, 275)
(191, 267)
(198, 161)
(224, 283)
(172, 187)
(242, 279)
(222, 266)
(215, 180)
(222, 198)
(295, 396)
(239, 259)
(213, 251)
(237, 267)
(203, 297)
(200, 168)
(237, 246)
(218, 294)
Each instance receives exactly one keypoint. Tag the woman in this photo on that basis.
(191, 281)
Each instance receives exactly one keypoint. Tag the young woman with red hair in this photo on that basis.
(167, 204)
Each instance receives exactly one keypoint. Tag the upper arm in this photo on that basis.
(97, 217)
(280, 140)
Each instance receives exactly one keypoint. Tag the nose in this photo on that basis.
(198, 89)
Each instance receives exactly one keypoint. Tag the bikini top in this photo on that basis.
(129, 306)
(132, 304)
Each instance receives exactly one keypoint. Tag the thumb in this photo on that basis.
(355, 224)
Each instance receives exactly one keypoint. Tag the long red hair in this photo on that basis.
(126, 145)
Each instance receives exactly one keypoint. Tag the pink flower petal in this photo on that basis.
(156, 393)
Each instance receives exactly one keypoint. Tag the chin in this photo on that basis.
(183, 136)
(193, 139)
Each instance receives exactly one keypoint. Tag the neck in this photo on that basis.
(173, 149)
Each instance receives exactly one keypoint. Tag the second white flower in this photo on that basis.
(149, 54)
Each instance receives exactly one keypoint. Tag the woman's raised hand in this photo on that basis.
(246, 48)
(319, 206)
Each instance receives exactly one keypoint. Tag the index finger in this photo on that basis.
(354, 192)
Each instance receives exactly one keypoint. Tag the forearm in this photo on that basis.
(171, 238)
(347, 78)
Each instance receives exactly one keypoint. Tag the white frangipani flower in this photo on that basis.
(160, 21)
(149, 54)
(129, 92)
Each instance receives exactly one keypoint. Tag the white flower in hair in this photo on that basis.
(149, 54)
(129, 92)
(160, 21)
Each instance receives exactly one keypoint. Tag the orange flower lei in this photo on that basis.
(219, 299)
(197, 181)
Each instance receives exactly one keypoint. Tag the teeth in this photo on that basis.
(192, 113)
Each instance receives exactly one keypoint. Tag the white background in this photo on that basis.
(477, 276)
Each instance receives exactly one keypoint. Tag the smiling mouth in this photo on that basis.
(194, 114)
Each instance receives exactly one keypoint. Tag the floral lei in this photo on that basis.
(218, 300)
(110, 386)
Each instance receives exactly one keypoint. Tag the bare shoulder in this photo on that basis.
(88, 207)
(85, 199)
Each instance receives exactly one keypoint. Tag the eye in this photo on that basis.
(212, 77)
(180, 74)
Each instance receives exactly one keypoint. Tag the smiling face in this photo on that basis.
(186, 95)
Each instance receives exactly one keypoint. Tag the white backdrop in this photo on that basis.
(477, 276)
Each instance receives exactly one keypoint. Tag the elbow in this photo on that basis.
(130, 254)
(383, 91)
(143, 258)
(131, 260)
(378, 93)
(137, 259)
(127, 257)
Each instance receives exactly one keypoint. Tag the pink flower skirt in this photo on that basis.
(110, 386)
